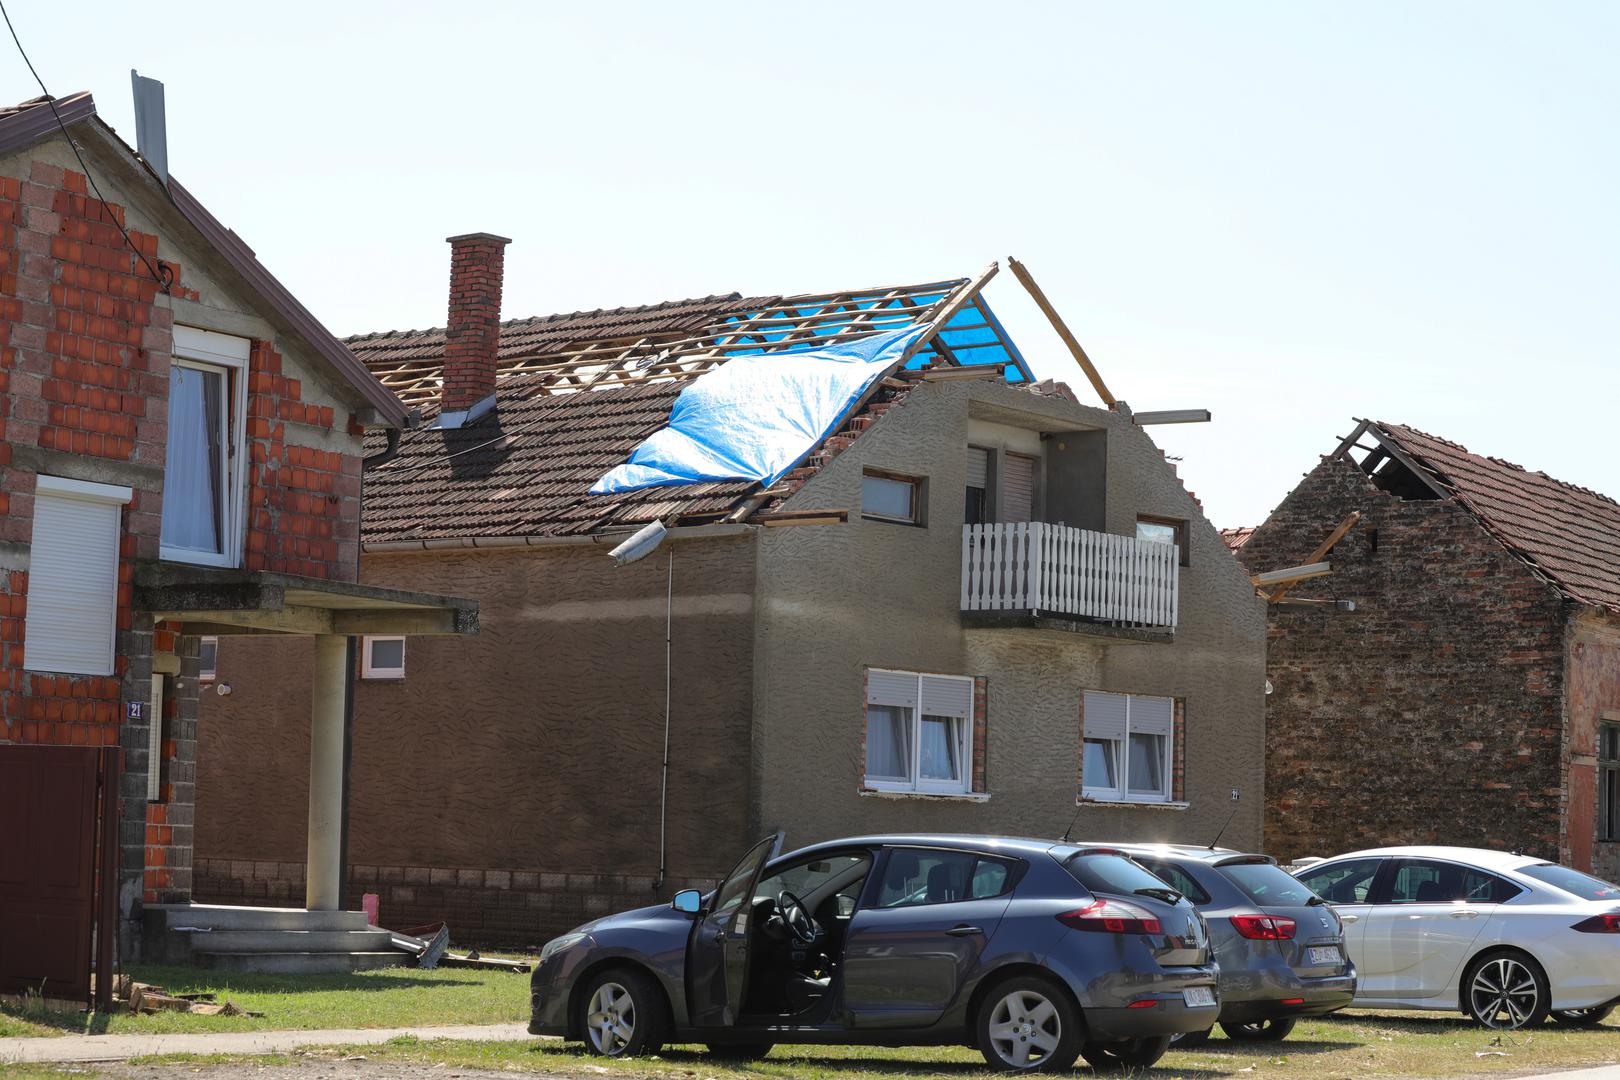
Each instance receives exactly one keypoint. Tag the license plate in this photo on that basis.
(1198, 997)
(1324, 954)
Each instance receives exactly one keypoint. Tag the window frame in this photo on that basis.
(918, 496)
(208, 350)
(1122, 793)
(1179, 525)
(915, 784)
(369, 670)
(207, 674)
(114, 497)
(1608, 776)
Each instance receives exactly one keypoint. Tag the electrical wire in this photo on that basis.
(160, 273)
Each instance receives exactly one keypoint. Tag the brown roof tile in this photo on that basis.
(1236, 538)
(1570, 533)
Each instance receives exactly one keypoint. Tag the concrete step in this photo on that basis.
(291, 941)
(301, 963)
(229, 917)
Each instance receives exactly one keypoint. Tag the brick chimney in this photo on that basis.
(473, 330)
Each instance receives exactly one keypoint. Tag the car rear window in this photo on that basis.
(1177, 878)
(1266, 883)
(1110, 874)
(1582, 885)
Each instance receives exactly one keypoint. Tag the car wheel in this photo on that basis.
(1272, 1030)
(1029, 1024)
(1184, 1040)
(1128, 1054)
(1582, 1017)
(623, 1014)
(1506, 989)
(740, 1051)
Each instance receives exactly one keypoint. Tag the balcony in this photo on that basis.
(1035, 575)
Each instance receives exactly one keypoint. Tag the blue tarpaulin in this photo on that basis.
(755, 416)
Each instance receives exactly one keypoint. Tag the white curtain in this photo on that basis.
(940, 759)
(888, 743)
(191, 501)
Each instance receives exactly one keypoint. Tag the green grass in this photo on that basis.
(1358, 1044)
(391, 997)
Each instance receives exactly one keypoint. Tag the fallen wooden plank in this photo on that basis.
(1062, 329)
(803, 517)
(455, 960)
(966, 371)
(1291, 574)
(1323, 548)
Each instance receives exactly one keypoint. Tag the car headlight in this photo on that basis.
(558, 944)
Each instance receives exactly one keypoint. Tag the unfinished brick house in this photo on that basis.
(181, 446)
(1473, 696)
(902, 634)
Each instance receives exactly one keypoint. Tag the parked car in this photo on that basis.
(1279, 946)
(1508, 939)
(1033, 951)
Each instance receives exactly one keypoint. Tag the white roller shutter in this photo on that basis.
(978, 467)
(72, 616)
(1018, 488)
(891, 688)
(943, 695)
(1152, 715)
(1105, 715)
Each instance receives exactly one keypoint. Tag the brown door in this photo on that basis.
(47, 868)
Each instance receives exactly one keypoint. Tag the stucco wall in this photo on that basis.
(510, 782)
(1432, 714)
(835, 599)
(1592, 695)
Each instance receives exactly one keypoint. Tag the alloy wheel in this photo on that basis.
(1503, 993)
(1025, 1029)
(611, 1019)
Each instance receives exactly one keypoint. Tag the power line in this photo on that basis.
(160, 273)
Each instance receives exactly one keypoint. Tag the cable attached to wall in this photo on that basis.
(162, 274)
(663, 783)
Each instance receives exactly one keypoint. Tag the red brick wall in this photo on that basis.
(1430, 715)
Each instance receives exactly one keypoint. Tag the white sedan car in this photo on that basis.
(1507, 938)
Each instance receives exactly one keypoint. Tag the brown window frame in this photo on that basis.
(918, 486)
(1178, 524)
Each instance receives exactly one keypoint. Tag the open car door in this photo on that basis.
(717, 954)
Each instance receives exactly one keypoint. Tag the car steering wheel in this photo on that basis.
(797, 917)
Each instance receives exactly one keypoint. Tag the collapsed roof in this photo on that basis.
(1571, 535)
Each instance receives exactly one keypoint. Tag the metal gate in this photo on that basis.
(56, 803)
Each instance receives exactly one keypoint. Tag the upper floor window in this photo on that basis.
(887, 496)
(977, 510)
(72, 620)
(1163, 530)
(203, 467)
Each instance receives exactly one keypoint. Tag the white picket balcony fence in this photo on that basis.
(1059, 570)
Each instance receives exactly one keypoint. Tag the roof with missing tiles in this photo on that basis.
(1569, 533)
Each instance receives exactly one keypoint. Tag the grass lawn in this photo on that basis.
(391, 997)
(1358, 1044)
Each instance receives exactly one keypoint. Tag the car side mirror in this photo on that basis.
(687, 900)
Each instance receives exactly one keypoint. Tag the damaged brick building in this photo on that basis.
(1473, 695)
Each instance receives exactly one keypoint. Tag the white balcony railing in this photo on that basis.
(1058, 570)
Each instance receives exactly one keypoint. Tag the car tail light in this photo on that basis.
(1600, 924)
(1264, 927)
(1111, 917)
(1292, 1001)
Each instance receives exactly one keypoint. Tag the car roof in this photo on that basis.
(1482, 857)
(1199, 852)
(1016, 845)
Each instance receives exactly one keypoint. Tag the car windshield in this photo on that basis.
(1266, 883)
(1111, 874)
(1582, 885)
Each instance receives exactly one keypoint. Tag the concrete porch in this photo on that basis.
(290, 941)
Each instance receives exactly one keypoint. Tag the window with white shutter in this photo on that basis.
(72, 619)
(919, 732)
(1126, 747)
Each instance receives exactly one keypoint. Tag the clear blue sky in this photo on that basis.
(1289, 213)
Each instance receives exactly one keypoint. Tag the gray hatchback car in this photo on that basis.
(1280, 947)
(1035, 952)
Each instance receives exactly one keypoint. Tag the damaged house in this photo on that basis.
(1473, 695)
(970, 603)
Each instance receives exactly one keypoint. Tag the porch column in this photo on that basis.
(324, 874)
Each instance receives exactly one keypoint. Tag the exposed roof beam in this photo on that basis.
(1291, 574)
(1323, 548)
(1173, 416)
(1063, 332)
